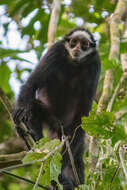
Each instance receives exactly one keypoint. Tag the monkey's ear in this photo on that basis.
(93, 44)
(67, 38)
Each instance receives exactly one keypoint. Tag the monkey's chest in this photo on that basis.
(66, 91)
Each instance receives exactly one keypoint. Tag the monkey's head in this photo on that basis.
(79, 43)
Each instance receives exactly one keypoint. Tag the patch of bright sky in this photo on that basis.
(67, 2)
(46, 9)
(79, 21)
(37, 25)
(91, 9)
(104, 14)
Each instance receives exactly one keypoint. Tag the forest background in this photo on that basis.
(27, 29)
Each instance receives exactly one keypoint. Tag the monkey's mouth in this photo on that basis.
(76, 52)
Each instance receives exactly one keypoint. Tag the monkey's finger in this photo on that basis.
(21, 117)
(17, 114)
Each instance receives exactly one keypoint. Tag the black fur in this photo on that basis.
(60, 90)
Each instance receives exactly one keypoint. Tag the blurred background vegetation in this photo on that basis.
(23, 41)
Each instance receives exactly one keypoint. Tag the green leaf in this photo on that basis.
(119, 134)
(41, 142)
(55, 166)
(4, 78)
(99, 125)
(45, 178)
(31, 156)
(50, 146)
(123, 47)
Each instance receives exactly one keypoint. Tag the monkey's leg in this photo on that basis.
(38, 116)
(67, 178)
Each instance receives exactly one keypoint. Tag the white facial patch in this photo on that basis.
(83, 34)
(82, 54)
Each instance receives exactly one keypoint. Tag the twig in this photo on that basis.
(120, 114)
(72, 162)
(71, 138)
(24, 179)
(38, 178)
(121, 155)
(75, 133)
(70, 155)
(115, 173)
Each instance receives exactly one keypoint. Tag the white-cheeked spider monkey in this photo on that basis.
(61, 89)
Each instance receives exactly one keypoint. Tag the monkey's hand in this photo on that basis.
(23, 113)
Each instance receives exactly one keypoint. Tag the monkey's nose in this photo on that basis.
(78, 47)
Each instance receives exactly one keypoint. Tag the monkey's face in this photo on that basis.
(79, 45)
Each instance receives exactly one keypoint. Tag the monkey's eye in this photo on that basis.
(73, 43)
(85, 44)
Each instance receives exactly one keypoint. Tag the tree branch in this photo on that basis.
(24, 179)
(107, 91)
(53, 21)
(12, 157)
(72, 162)
(114, 28)
(122, 152)
(38, 178)
(121, 87)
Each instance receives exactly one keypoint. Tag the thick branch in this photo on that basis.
(15, 143)
(12, 157)
(53, 21)
(121, 155)
(114, 28)
(107, 90)
(121, 87)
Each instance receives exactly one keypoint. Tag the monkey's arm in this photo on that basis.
(27, 96)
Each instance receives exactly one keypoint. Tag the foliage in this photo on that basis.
(104, 126)
(30, 20)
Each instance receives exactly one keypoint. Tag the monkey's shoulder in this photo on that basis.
(56, 53)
